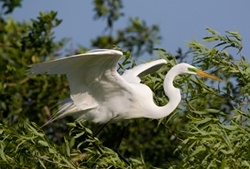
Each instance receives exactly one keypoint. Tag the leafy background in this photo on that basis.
(209, 129)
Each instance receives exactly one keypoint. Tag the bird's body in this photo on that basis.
(100, 94)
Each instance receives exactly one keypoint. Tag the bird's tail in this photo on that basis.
(66, 108)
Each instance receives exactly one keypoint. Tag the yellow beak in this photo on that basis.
(204, 74)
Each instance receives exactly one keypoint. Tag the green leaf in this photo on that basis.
(229, 127)
(203, 121)
(2, 154)
(212, 31)
(43, 143)
(198, 150)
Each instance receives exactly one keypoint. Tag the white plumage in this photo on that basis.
(98, 93)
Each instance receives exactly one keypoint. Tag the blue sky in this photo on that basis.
(180, 21)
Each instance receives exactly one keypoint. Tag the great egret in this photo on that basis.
(100, 94)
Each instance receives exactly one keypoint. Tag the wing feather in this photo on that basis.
(92, 76)
(95, 83)
(133, 75)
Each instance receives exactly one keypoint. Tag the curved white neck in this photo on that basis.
(172, 93)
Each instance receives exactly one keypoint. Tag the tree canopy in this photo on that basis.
(209, 129)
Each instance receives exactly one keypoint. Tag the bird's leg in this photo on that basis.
(97, 147)
(116, 148)
(96, 133)
(124, 129)
(100, 129)
(123, 158)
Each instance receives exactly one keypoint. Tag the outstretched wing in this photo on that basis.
(93, 76)
(133, 75)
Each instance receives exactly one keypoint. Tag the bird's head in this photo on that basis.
(187, 68)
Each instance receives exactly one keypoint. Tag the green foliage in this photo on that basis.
(218, 129)
(209, 129)
(23, 44)
(40, 37)
(26, 146)
(109, 10)
(9, 5)
(137, 37)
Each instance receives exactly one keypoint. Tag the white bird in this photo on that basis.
(98, 93)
